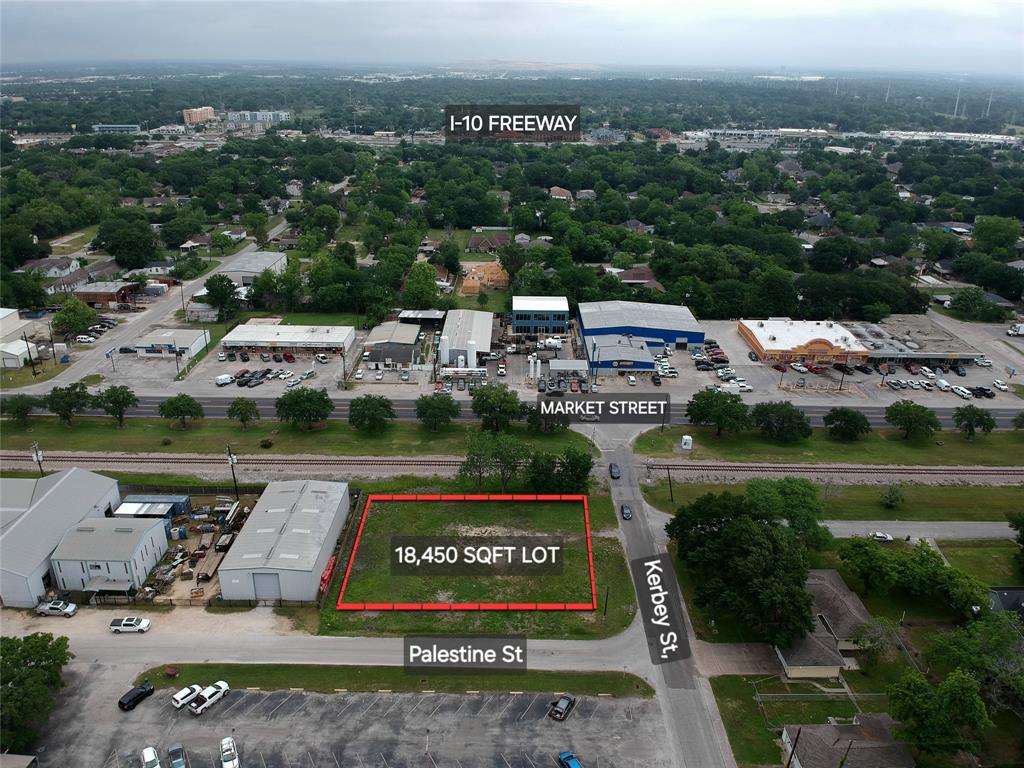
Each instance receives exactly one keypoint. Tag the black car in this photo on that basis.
(656, 380)
(232, 356)
(864, 368)
(556, 393)
(705, 367)
(278, 358)
(251, 383)
(130, 700)
(959, 371)
(752, 356)
(560, 709)
(127, 350)
(627, 513)
(843, 367)
(244, 357)
(614, 471)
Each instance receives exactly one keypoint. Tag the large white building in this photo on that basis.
(34, 516)
(290, 337)
(15, 354)
(189, 342)
(465, 337)
(283, 548)
(12, 326)
(108, 554)
(245, 267)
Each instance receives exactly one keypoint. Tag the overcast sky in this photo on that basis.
(968, 36)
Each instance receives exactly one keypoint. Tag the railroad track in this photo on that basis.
(846, 469)
(250, 461)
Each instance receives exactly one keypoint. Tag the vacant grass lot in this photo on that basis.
(883, 446)
(325, 679)
(211, 435)
(861, 502)
(308, 318)
(12, 378)
(372, 581)
(497, 301)
(987, 559)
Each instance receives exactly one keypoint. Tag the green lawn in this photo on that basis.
(497, 301)
(309, 318)
(753, 740)
(460, 236)
(211, 435)
(12, 378)
(883, 446)
(82, 237)
(991, 560)
(861, 502)
(610, 569)
(328, 678)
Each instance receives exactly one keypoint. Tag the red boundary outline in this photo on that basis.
(591, 606)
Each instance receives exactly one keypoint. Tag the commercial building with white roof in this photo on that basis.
(34, 516)
(784, 339)
(244, 268)
(109, 554)
(164, 341)
(283, 548)
(12, 326)
(290, 337)
(627, 334)
(536, 315)
(466, 335)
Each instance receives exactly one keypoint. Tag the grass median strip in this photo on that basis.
(330, 678)
(863, 502)
(882, 446)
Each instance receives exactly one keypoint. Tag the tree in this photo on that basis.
(495, 405)
(31, 668)
(115, 401)
(991, 649)
(876, 638)
(243, 410)
(870, 562)
(19, 407)
(994, 232)
(723, 410)
(221, 293)
(1016, 521)
(781, 421)
(540, 468)
(477, 464)
(304, 407)
(1018, 420)
(970, 418)
(74, 316)
(876, 312)
(67, 402)
(220, 242)
(181, 407)
(794, 500)
(420, 286)
(846, 424)
(574, 467)
(437, 410)
(915, 420)
(892, 497)
(507, 456)
(972, 304)
(939, 721)
(370, 413)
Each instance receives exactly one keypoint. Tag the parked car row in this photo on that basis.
(255, 378)
(709, 357)
(558, 387)
(176, 757)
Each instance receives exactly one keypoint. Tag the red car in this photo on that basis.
(289, 357)
(574, 387)
(779, 367)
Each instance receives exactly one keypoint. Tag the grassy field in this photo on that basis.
(611, 572)
(883, 446)
(497, 301)
(861, 502)
(309, 318)
(991, 560)
(327, 678)
(79, 241)
(211, 435)
(753, 732)
(12, 378)
(372, 579)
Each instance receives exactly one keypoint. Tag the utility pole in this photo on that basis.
(671, 493)
(37, 457)
(181, 287)
(232, 460)
(888, 90)
(792, 749)
(956, 107)
(988, 109)
(31, 361)
(53, 349)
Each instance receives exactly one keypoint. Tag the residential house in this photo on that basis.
(155, 268)
(489, 276)
(640, 275)
(52, 268)
(488, 243)
(156, 202)
(540, 242)
(444, 280)
(734, 175)
(237, 234)
(838, 614)
(1018, 264)
(638, 227)
(820, 220)
(129, 202)
(868, 742)
(68, 283)
(194, 243)
(586, 194)
(560, 193)
(522, 239)
(789, 167)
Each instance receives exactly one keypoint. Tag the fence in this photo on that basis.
(193, 490)
(208, 602)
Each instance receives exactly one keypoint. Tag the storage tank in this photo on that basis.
(462, 361)
(471, 354)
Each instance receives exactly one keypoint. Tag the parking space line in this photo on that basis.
(370, 705)
(212, 761)
(257, 700)
(384, 759)
(262, 760)
(419, 701)
(537, 696)
(505, 761)
(345, 707)
(464, 703)
(430, 757)
(437, 707)
(310, 759)
(527, 757)
(398, 701)
(335, 759)
(595, 710)
(238, 700)
(507, 705)
(271, 712)
(486, 702)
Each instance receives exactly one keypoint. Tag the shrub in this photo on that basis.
(266, 442)
(166, 441)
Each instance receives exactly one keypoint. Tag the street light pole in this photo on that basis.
(232, 460)
(37, 457)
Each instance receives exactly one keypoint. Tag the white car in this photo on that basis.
(83, 339)
(502, 371)
(57, 608)
(914, 384)
(150, 759)
(185, 696)
(927, 372)
(228, 753)
(798, 367)
(379, 376)
(359, 375)
(880, 536)
(983, 362)
(631, 380)
(287, 374)
(322, 358)
(962, 393)
(130, 624)
(746, 388)
(222, 357)
(1000, 385)
(208, 697)
(293, 383)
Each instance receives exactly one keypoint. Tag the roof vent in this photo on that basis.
(771, 338)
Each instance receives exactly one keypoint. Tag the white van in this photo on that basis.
(943, 385)
(85, 339)
(223, 380)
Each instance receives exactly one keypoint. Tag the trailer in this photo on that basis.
(208, 566)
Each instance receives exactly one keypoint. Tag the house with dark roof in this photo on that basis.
(62, 266)
(1007, 599)
(638, 227)
(789, 167)
(838, 614)
(640, 275)
(586, 194)
(194, 243)
(868, 742)
(488, 243)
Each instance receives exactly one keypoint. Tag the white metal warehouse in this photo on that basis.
(310, 338)
(283, 548)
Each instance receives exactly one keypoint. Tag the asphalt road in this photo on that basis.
(900, 529)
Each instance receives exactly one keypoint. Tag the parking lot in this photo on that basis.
(288, 729)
